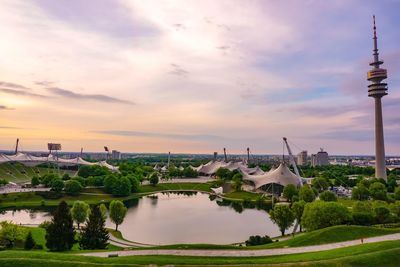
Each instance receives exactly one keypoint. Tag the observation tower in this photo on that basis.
(377, 89)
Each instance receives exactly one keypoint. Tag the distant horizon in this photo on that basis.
(196, 75)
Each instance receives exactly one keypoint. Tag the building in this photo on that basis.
(302, 158)
(115, 154)
(320, 159)
(377, 89)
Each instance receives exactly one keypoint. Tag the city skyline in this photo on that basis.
(191, 76)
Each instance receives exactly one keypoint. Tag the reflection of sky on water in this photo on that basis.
(172, 218)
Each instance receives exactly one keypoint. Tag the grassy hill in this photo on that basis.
(375, 254)
(19, 173)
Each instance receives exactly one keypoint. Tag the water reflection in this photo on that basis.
(184, 217)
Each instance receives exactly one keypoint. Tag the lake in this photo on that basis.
(172, 218)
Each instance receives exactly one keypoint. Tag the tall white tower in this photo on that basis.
(377, 89)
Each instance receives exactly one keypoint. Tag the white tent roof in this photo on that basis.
(281, 175)
(33, 160)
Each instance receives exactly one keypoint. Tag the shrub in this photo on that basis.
(363, 218)
(328, 196)
(73, 188)
(322, 214)
(258, 240)
(378, 191)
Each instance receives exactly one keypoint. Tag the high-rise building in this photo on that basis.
(115, 154)
(377, 89)
(302, 158)
(320, 159)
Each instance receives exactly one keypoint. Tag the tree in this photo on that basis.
(320, 183)
(60, 234)
(103, 210)
(122, 187)
(135, 184)
(298, 209)
(29, 242)
(79, 212)
(328, 196)
(362, 206)
(378, 191)
(73, 187)
(35, 181)
(57, 185)
(289, 192)
(282, 216)
(306, 194)
(11, 233)
(154, 179)
(109, 183)
(94, 235)
(224, 174)
(66, 177)
(360, 192)
(397, 193)
(382, 214)
(237, 183)
(320, 214)
(117, 212)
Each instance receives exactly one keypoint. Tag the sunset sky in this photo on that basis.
(196, 76)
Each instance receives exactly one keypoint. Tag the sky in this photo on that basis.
(196, 76)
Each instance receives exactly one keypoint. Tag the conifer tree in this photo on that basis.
(29, 242)
(94, 235)
(60, 234)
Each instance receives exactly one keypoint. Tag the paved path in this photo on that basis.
(246, 253)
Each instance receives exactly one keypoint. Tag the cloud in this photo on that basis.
(163, 135)
(178, 70)
(44, 83)
(21, 93)
(12, 85)
(97, 97)
(2, 107)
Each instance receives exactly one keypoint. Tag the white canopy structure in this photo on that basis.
(31, 160)
(211, 167)
(281, 176)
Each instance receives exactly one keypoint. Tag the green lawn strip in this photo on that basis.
(376, 254)
(241, 195)
(332, 234)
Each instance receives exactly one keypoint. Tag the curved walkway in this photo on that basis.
(246, 253)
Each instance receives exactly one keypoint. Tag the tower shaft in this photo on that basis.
(377, 89)
(380, 165)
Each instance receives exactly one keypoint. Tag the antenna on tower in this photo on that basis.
(16, 146)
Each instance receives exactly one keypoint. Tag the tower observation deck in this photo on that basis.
(377, 89)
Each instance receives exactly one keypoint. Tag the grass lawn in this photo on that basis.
(331, 235)
(376, 254)
(241, 195)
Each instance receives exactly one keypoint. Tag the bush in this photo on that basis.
(258, 240)
(49, 194)
(328, 196)
(363, 218)
(57, 185)
(73, 188)
(322, 214)
(397, 193)
(378, 191)
(360, 192)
